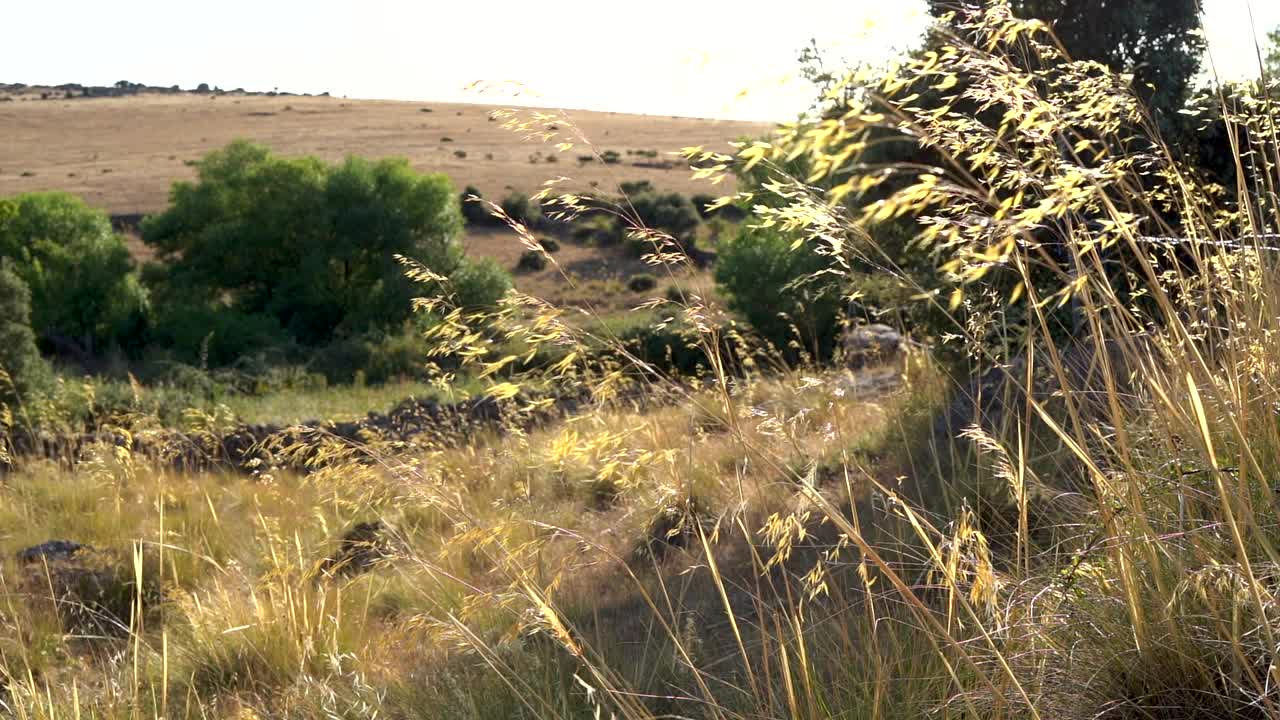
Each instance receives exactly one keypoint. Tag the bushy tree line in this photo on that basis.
(258, 252)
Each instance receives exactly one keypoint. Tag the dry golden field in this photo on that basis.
(122, 154)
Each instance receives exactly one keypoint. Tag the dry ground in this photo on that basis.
(122, 154)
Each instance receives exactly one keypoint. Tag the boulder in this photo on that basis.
(869, 344)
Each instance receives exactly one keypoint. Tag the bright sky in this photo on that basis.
(686, 57)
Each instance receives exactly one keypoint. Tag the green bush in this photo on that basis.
(19, 358)
(480, 283)
(642, 282)
(210, 335)
(531, 261)
(475, 212)
(312, 246)
(523, 210)
(610, 157)
(730, 213)
(671, 213)
(597, 228)
(549, 244)
(780, 290)
(635, 187)
(375, 358)
(79, 273)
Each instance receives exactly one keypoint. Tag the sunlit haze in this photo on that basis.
(691, 57)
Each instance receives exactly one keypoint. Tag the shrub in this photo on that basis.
(731, 213)
(312, 246)
(19, 358)
(531, 261)
(635, 187)
(475, 212)
(599, 229)
(480, 283)
(84, 291)
(610, 157)
(209, 335)
(779, 289)
(642, 282)
(671, 213)
(549, 244)
(460, 154)
(521, 209)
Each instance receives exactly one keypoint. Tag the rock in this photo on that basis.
(52, 550)
(868, 344)
(93, 592)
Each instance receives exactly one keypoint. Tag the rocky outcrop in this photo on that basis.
(424, 423)
(870, 344)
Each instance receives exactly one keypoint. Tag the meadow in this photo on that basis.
(1056, 500)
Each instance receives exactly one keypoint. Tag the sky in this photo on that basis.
(708, 58)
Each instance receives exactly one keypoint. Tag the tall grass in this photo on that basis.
(1091, 536)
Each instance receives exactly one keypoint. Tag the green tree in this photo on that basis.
(1157, 41)
(1272, 61)
(20, 360)
(309, 244)
(781, 288)
(84, 292)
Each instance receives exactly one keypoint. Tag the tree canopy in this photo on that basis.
(310, 244)
(1155, 40)
(79, 273)
(20, 361)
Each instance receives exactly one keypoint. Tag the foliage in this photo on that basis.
(20, 362)
(1157, 41)
(311, 245)
(80, 275)
(1271, 63)
(669, 213)
(642, 282)
(474, 209)
(209, 335)
(479, 283)
(521, 209)
(532, 261)
(635, 187)
(781, 288)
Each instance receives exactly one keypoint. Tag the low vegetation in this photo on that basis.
(1054, 501)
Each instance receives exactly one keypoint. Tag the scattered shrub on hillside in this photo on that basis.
(670, 213)
(311, 245)
(610, 157)
(520, 208)
(460, 154)
(531, 261)
(85, 295)
(549, 244)
(781, 290)
(21, 366)
(635, 187)
(642, 282)
(597, 228)
(474, 209)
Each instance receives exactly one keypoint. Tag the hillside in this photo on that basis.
(122, 153)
